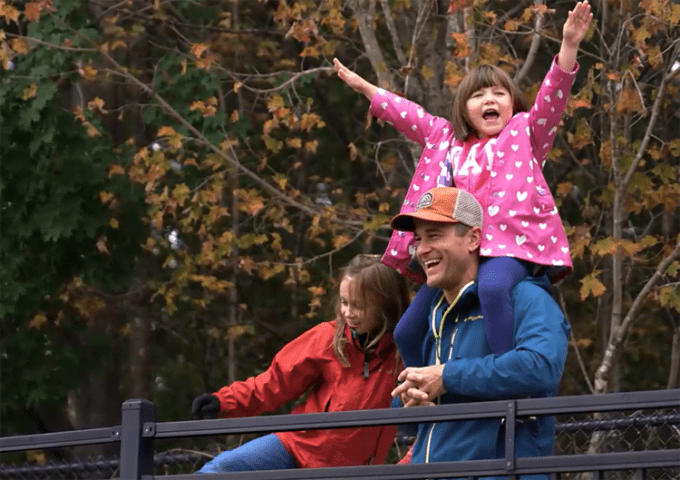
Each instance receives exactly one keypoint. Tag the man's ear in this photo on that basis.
(474, 238)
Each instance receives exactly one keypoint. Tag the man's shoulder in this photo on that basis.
(532, 287)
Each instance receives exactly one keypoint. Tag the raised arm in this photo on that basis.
(357, 83)
(574, 30)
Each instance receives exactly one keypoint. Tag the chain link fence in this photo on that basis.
(639, 430)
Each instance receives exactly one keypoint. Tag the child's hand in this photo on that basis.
(357, 83)
(577, 24)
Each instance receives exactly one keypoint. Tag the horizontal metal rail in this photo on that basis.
(60, 439)
(391, 416)
(138, 430)
(472, 468)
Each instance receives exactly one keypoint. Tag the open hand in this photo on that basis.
(577, 24)
(356, 82)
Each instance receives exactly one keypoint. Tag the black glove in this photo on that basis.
(205, 407)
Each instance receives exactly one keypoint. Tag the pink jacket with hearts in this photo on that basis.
(504, 173)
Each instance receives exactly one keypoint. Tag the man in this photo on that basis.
(456, 364)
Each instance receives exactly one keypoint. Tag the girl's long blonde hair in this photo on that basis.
(377, 284)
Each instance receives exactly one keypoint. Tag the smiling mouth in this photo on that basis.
(490, 115)
(431, 263)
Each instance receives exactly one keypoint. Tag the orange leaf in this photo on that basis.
(590, 285)
(116, 170)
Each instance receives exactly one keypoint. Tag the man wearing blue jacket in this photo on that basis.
(454, 363)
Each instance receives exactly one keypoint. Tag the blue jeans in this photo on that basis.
(263, 453)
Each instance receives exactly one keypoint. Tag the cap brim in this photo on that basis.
(405, 222)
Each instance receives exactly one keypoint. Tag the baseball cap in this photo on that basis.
(444, 205)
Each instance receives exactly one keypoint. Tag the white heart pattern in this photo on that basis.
(493, 210)
(518, 164)
(513, 133)
(525, 224)
(508, 176)
(541, 247)
(489, 236)
(542, 226)
(558, 262)
(444, 145)
(512, 212)
(383, 105)
(503, 226)
(514, 147)
(485, 251)
(403, 114)
(521, 196)
(420, 113)
(520, 239)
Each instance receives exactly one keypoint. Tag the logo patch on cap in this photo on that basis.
(425, 201)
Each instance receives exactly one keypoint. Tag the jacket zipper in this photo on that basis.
(437, 336)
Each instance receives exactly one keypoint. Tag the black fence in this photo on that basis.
(618, 436)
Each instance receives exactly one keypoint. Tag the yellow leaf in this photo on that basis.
(116, 170)
(197, 49)
(375, 222)
(590, 285)
(96, 104)
(105, 197)
(340, 241)
(606, 246)
(310, 120)
(30, 92)
(19, 45)
(37, 322)
(113, 223)
(9, 12)
(312, 146)
(427, 72)
(294, 142)
(275, 102)
(88, 72)
(165, 131)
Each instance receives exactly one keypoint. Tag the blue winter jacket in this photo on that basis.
(532, 368)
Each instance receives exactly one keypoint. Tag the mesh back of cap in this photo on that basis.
(468, 210)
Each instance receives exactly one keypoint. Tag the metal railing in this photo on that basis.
(641, 441)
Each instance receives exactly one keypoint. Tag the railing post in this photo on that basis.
(136, 451)
(510, 416)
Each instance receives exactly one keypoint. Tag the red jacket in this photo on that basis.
(309, 362)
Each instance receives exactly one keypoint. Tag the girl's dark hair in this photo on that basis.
(377, 284)
(483, 76)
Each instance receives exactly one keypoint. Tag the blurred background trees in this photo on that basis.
(180, 181)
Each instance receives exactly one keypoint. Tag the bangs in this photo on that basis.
(486, 76)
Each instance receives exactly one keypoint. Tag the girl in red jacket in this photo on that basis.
(350, 363)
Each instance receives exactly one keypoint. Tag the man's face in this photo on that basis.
(449, 260)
